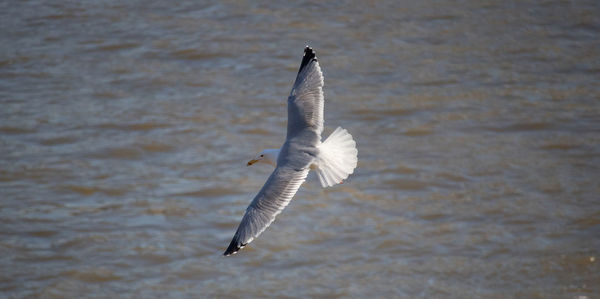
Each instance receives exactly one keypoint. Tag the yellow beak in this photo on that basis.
(252, 162)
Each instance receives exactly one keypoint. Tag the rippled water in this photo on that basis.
(125, 129)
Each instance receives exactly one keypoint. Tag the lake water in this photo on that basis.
(125, 129)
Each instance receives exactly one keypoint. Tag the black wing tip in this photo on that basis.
(233, 248)
(309, 55)
(308, 51)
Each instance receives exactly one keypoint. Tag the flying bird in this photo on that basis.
(333, 159)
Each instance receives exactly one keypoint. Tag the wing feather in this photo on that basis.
(275, 195)
(306, 102)
(305, 124)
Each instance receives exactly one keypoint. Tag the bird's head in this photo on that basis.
(268, 156)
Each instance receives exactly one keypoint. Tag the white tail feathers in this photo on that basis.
(337, 158)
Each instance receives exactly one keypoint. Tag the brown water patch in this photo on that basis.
(520, 127)
(202, 118)
(169, 209)
(162, 44)
(45, 258)
(281, 247)
(391, 244)
(440, 17)
(91, 42)
(500, 251)
(80, 241)
(194, 272)
(59, 16)
(149, 253)
(195, 54)
(400, 169)
(25, 74)
(434, 83)
(157, 147)
(52, 39)
(82, 210)
(15, 130)
(577, 263)
(106, 95)
(419, 131)
(114, 192)
(372, 114)
(559, 146)
(39, 174)
(210, 192)
(118, 46)
(58, 140)
(226, 225)
(197, 83)
(90, 190)
(42, 233)
(452, 177)
(134, 127)
(94, 275)
(588, 221)
(411, 185)
(433, 216)
(256, 132)
(83, 190)
(126, 153)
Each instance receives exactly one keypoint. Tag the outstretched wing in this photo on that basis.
(305, 103)
(305, 124)
(275, 195)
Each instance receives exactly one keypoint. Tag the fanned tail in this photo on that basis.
(337, 158)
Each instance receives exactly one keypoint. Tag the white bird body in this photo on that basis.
(333, 159)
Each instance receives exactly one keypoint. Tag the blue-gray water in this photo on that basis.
(125, 129)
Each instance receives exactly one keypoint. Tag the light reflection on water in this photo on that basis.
(125, 129)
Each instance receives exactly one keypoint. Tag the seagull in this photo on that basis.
(333, 159)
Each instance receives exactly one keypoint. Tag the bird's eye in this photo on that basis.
(262, 156)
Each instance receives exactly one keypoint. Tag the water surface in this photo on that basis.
(125, 129)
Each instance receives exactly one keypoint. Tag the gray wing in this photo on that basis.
(275, 195)
(305, 124)
(305, 103)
